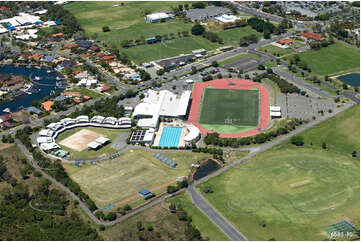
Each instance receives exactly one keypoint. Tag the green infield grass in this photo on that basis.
(293, 193)
(199, 219)
(332, 59)
(229, 107)
(117, 180)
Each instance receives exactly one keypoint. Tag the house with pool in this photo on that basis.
(163, 114)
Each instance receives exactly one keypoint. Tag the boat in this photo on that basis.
(28, 66)
(38, 67)
(48, 71)
(58, 78)
(37, 78)
(6, 110)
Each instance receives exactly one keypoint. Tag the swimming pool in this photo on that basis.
(170, 136)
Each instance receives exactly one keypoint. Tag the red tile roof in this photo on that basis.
(105, 88)
(285, 41)
(311, 35)
(108, 57)
(47, 105)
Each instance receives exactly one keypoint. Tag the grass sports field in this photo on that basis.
(283, 195)
(116, 180)
(126, 22)
(222, 107)
(168, 48)
(232, 36)
(334, 58)
(85, 154)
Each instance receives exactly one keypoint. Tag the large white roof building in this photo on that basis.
(160, 103)
(157, 17)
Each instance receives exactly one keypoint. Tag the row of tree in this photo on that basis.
(214, 139)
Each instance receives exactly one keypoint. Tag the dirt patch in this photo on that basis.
(300, 183)
(4, 146)
(80, 140)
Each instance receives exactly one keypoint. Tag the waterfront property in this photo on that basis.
(44, 86)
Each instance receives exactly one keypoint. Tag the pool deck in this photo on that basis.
(158, 134)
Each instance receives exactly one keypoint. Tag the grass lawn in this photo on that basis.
(169, 48)
(236, 58)
(283, 195)
(201, 221)
(87, 92)
(228, 129)
(232, 36)
(86, 154)
(334, 58)
(220, 105)
(125, 22)
(166, 226)
(122, 178)
(270, 64)
(276, 51)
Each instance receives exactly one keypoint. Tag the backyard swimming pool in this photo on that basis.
(170, 136)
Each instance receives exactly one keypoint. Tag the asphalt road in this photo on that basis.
(215, 216)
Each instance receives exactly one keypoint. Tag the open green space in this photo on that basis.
(125, 19)
(166, 226)
(235, 58)
(275, 50)
(169, 48)
(229, 106)
(293, 193)
(122, 178)
(87, 154)
(334, 58)
(232, 36)
(86, 92)
(199, 219)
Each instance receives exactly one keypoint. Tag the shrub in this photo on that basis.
(297, 140)
(106, 29)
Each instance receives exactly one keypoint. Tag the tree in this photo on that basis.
(215, 64)
(324, 146)
(106, 29)
(111, 216)
(354, 153)
(297, 140)
(139, 226)
(174, 87)
(197, 29)
(141, 96)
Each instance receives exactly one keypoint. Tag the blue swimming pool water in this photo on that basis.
(170, 137)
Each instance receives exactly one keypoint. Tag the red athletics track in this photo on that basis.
(224, 84)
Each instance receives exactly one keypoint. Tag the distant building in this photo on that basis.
(285, 42)
(160, 104)
(226, 18)
(157, 17)
(313, 36)
(47, 105)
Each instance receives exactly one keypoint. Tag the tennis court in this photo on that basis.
(170, 136)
